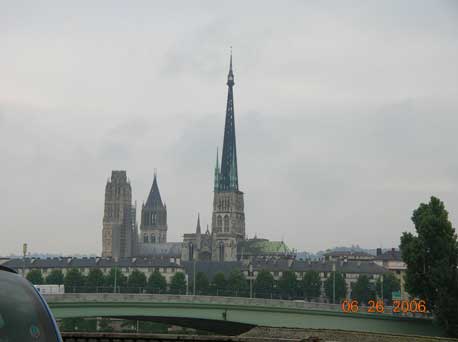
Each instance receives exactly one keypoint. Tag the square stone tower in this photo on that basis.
(119, 217)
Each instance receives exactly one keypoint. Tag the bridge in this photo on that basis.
(233, 316)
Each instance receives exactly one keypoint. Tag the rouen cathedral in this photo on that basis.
(226, 241)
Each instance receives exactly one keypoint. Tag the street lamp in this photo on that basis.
(334, 283)
(250, 277)
(115, 276)
(194, 278)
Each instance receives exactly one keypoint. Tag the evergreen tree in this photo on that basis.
(136, 281)
(432, 259)
(288, 285)
(390, 284)
(56, 277)
(178, 283)
(94, 280)
(219, 284)
(362, 290)
(237, 284)
(35, 277)
(202, 284)
(340, 287)
(121, 280)
(156, 283)
(311, 285)
(74, 281)
(264, 284)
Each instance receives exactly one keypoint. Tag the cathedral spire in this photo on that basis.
(228, 175)
(198, 224)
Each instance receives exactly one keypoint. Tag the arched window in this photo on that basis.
(219, 222)
(221, 251)
(153, 238)
(145, 238)
(191, 251)
(226, 223)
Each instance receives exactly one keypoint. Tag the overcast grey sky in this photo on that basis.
(346, 115)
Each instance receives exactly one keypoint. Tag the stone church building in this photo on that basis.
(225, 242)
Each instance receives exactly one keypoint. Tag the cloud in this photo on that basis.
(345, 116)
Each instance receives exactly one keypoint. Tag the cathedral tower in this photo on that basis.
(228, 219)
(118, 233)
(153, 228)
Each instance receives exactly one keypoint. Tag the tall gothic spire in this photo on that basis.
(228, 174)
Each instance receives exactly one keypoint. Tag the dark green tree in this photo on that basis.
(264, 284)
(340, 287)
(121, 280)
(156, 283)
(178, 283)
(219, 284)
(94, 280)
(136, 281)
(432, 259)
(362, 290)
(288, 284)
(311, 285)
(35, 277)
(74, 281)
(237, 284)
(56, 277)
(202, 284)
(390, 284)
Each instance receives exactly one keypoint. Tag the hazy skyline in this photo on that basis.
(346, 115)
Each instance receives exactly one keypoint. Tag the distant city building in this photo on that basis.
(125, 265)
(392, 261)
(119, 230)
(348, 255)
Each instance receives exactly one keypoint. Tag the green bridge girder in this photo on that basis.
(237, 311)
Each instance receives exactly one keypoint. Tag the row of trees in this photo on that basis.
(236, 284)
(96, 281)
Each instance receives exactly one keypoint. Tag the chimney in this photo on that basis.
(379, 251)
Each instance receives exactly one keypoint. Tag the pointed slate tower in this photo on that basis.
(153, 228)
(228, 219)
(228, 174)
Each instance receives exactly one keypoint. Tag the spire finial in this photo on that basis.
(230, 76)
(231, 59)
(155, 172)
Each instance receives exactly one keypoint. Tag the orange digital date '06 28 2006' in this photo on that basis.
(377, 306)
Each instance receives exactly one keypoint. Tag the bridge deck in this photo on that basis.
(241, 311)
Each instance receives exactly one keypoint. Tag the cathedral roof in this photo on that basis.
(154, 198)
(262, 247)
(164, 249)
